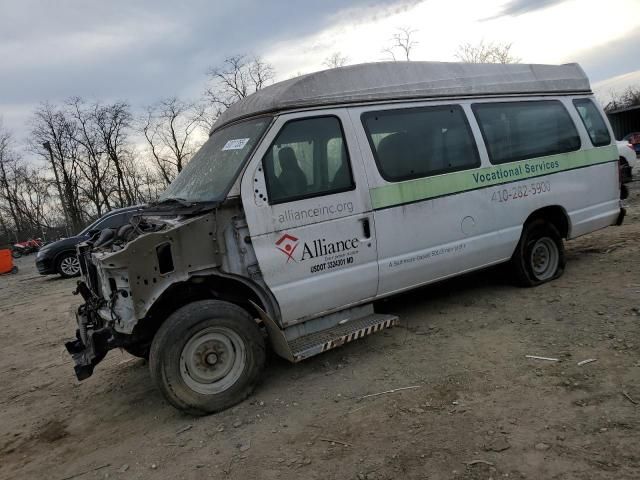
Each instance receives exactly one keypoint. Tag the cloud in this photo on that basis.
(144, 50)
(515, 8)
(148, 49)
(520, 7)
(610, 59)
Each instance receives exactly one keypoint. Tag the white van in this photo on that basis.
(318, 195)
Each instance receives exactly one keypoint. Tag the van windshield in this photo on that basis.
(213, 169)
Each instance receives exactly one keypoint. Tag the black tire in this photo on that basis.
(138, 350)
(60, 265)
(190, 324)
(544, 238)
(16, 254)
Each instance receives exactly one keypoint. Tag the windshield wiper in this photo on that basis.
(178, 200)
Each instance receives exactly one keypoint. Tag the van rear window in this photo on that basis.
(418, 142)
(593, 122)
(515, 131)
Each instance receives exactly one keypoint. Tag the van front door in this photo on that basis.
(308, 210)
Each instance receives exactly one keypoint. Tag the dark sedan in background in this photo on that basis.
(60, 257)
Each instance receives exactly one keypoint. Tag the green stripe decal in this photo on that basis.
(456, 182)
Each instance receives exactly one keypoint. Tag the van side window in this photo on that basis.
(593, 122)
(308, 158)
(519, 130)
(418, 142)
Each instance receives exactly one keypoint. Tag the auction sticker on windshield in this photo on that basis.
(235, 144)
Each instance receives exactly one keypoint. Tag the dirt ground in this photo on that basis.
(479, 408)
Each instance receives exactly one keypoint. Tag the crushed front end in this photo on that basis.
(94, 338)
(125, 271)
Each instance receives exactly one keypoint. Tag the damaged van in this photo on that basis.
(318, 195)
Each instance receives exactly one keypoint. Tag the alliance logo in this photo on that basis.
(287, 244)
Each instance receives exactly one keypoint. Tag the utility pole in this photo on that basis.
(47, 147)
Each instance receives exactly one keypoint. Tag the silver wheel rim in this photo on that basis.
(70, 266)
(213, 360)
(544, 258)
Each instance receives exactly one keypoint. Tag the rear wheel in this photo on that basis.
(207, 356)
(68, 265)
(539, 256)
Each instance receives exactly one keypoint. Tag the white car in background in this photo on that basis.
(627, 160)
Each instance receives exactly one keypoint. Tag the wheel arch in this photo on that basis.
(219, 286)
(554, 214)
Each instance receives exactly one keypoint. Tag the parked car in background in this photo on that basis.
(627, 160)
(60, 257)
(634, 139)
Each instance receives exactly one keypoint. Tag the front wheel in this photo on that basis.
(539, 256)
(68, 265)
(207, 356)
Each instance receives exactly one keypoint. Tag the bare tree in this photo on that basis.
(629, 98)
(493, 52)
(335, 60)
(114, 122)
(24, 194)
(145, 181)
(402, 42)
(170, 128)
(34, 198)
(237, 77)
(7, 186)
(92, 162)
(52, 127)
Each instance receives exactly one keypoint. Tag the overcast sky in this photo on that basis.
(143, 50)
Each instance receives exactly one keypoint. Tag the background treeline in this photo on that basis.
(84, 158)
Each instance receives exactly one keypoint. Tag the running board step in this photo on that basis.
(318, 342)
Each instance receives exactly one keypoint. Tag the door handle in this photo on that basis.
(366, 228)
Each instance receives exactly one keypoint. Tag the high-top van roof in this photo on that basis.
(369, 82)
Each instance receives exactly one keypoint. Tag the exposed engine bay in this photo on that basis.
(126, 271)
(111, 239)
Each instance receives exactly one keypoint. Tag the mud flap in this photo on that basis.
(276, 335)
(624, 191)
